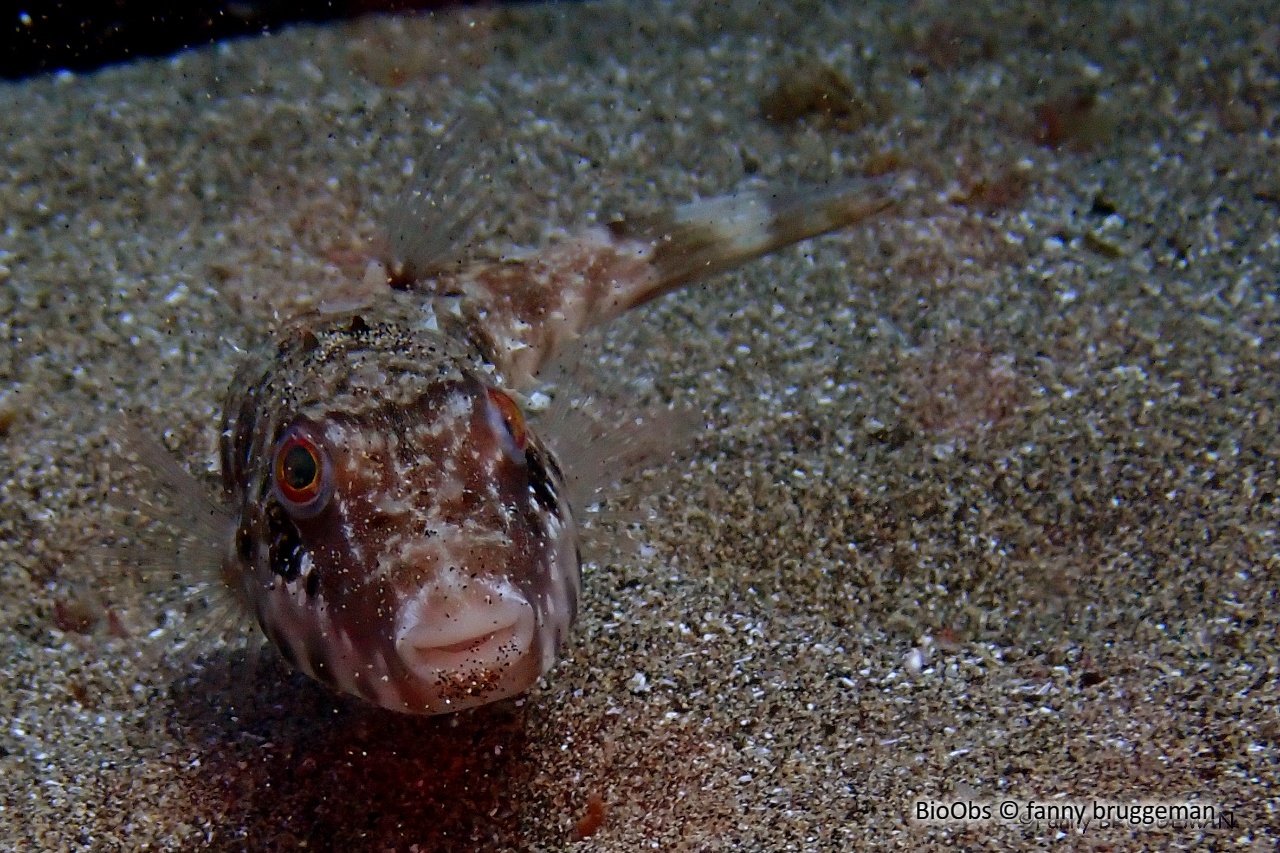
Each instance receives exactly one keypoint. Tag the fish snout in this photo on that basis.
(471, 639)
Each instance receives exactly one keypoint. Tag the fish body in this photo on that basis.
(400, 532)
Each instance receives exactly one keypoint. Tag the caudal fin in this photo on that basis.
(701, 238)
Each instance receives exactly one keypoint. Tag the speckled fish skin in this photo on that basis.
(428, 508)
(402, 535)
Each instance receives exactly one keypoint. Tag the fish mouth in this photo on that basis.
(469, 639)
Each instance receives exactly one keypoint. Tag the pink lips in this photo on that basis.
(464, 629)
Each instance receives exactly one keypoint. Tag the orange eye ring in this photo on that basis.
(301, 474)
(511, 416)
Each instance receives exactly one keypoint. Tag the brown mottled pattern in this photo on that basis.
(402, 415)
(523, 311)
(433, 565)
(526, 310)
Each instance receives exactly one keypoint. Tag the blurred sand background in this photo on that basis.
(986, 507)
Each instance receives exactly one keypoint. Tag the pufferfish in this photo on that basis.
(398, 529)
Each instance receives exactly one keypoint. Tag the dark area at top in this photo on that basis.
(40, 37)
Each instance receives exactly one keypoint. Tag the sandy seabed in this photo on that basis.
(985, 510)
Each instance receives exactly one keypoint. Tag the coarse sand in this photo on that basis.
(986, 505)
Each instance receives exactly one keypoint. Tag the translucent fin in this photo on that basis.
(170, 537)
(705, 237)
(602, 442)
(427, 230)
(181, 499)
(615, 455)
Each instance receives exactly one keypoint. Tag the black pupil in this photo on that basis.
(299, 468)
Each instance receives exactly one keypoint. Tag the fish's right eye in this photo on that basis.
(302, 474)
(506, 410)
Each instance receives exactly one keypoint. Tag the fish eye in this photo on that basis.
(302, 474)
(505, 409)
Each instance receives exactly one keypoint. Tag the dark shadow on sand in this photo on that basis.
(287, 765)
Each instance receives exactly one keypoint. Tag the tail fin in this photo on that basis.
(701, 238)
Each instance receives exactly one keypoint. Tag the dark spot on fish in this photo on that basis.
(284, 551)
(357, 325)
(313, 583)
(554, 467)
(540, 481)
(236, 442)
(244, 543)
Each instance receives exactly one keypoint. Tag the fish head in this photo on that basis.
(402, 534)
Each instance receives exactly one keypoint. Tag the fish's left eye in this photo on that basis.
(301, 473)
(511, 417)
